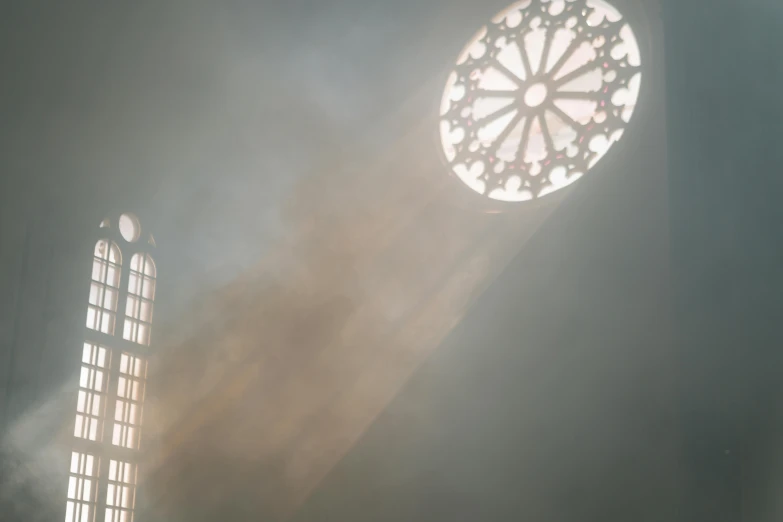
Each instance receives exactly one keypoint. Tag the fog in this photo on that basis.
(341, 331)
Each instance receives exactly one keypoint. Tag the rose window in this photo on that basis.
(539, 96)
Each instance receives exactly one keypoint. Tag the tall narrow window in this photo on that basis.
(90, 402)
(106, 265)
(121, 492)
(141, 293)
(112, 377)
(130, 397)
(82, 488)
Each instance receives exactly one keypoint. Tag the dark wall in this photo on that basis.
(42, 275)
(556, 397)
(551, 400)
(166, 111)
(553, 413)
(577, 388)
(725, 76)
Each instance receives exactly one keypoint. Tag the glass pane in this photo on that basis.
(93, 429)
(136, 262)
(95, 293)
(101, 249)
(144, 335)
(110, 299)
(91, 318)
(77, 428)
(149, 267)
(114, 255)
(113, 276)
(107, 325)
(148, 291)
(89, 466)
(96, 405)
(98, 270)
(98, 380)
(102, 357)
(86, 489)
(131, 309)
(146, 311)
(87, 353)
(127, 329)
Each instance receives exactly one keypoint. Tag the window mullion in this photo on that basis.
(108, 425)
(107, 494)
(115, 351)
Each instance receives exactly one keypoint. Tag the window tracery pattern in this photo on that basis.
(112, 379)
(539, 96)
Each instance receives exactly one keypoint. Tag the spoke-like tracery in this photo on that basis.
(539, 96)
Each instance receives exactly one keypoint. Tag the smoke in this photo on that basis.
(34, 459)
(300, 281)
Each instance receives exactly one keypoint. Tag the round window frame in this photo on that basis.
(136, 226)
(462, 196)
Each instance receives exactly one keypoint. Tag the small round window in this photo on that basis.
(538, 97)
(129, 228)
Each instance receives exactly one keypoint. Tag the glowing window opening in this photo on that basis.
(104, 288)
(539, 96)
(91, 398)
(130, 398)
(82, 488)
(121, 491)
(141, 294)
(130, 228)
(112, 379)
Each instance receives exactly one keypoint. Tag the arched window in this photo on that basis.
(110, 398)
(106, 265)
(141, 294)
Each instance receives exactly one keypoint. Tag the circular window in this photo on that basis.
(538, 97)
(129, 228)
